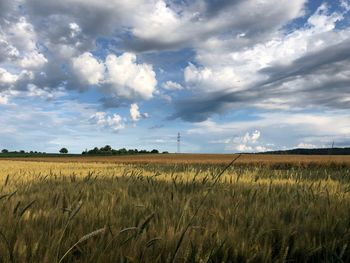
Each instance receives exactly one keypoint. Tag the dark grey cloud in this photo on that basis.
(310, 63)
(5, 7)
(156, 127)
(218, 18)
(215, 7)
(342, 143)
(150, 45)
(113, 102)
(319, 79)
(95, 18)
(198, 107)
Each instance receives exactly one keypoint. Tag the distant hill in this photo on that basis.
(315, 151)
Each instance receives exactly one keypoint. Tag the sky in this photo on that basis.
(230, 76)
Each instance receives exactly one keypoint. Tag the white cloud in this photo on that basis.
(345, 4)
(260, 148)
(160, 21)
(3, 99)
(251, 138)
(321, 21)
(22, 35)
(32, 60)
(114, 121)
(280, 129)
(128, 79)
(88, 69)
(171, 85)
(44, 93)
(246, 143)
(306, 145)
(18, 45)
(320, 123)
(120, 76)
(214, 79)
(6, 77)
(7, 51)
(75, 29)
(243, 148)
(134, 112)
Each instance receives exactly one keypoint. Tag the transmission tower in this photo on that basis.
(178, 142)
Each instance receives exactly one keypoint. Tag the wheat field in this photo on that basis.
(101, 209)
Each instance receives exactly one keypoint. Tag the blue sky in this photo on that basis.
(230, 76)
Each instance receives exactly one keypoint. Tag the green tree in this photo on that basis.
(64, 150)
(5, 151)
(107, 148)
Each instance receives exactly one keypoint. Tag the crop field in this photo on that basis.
(175, 208)
(163, 159)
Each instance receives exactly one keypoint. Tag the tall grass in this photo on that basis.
(95, 212)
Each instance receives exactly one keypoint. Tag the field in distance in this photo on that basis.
(175, 208)
(250, 159)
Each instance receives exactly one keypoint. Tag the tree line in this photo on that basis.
(108, 150)
(315, 151)
(5, 151)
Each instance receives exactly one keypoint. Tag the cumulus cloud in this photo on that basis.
(171, 85)
(43, 93)
(128, 79)
(6, 96)
(246, 143)
(6, 77)
(120, 76)
(7, 51)
(161, 20)
(20, 54)
(103, 120)
(55, 41)
(88, 69)
(33, 60)
(135, 114)
(251, 137)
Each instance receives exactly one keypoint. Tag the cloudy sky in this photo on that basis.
(229, 75)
